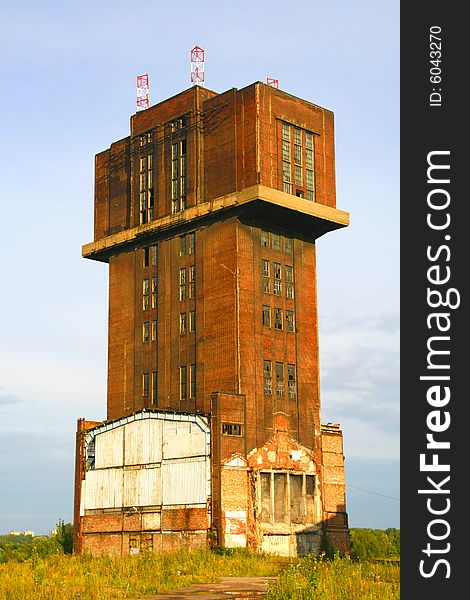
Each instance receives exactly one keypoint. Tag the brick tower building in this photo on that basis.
(207, 215)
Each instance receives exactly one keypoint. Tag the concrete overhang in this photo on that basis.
(258, 203)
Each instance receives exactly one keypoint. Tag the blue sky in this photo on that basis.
(68, 74)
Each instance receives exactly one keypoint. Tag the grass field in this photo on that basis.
(64, 577)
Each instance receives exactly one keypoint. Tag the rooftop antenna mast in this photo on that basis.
(143, 99)
(272, 82)
(197, 66)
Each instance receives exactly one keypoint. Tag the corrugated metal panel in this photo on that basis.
(143, 487)
(103, 489)
(143, 442)
(183, 439)
(184, 482)
(109, 449)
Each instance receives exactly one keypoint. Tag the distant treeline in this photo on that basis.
(373, 544)
(22, 547)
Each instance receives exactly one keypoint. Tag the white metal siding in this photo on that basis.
(108, 448)
(103, 489)
(143, 442)
(184, 482)
(143, 487)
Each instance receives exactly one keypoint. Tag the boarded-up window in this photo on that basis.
(280, 497)
(265, 514)
(296, 500)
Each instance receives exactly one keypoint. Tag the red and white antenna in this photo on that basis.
(272, 82)
(197, 66)
(143, 99)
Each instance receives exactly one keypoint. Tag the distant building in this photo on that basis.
(26, 532)
(207, 215)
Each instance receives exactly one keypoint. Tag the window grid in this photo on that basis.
(298, 168)
(267, 375)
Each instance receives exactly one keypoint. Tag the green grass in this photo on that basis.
(340, 579)
(65, 577)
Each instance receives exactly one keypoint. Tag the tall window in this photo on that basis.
(278, 318)
(183, 383)
(290, 323)
(298, 161)
(178, 176)
(192, 281)
(154, 388)
(280, 379)
(145, 384)
(154, 291)
(268, 377)
(192, 381)
(146, 179)
(291, 380)
(146, 294)
(146, 331)
(192, 321)
(183, 283)
(183, 322)
(267, 316)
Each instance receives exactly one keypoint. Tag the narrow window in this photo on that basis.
(291, 380)
(265, 268)
(145, 384)
(192, 243)
(146, 331)
(146, 257)
(154, 330)
(154, 291)
(265, 484)
(154, 388)
(288, 273)
(192, 321)
(153, 255)
(192, 381)
(289, 286)
(277, 288)
(290, 325)
(310, 496)
(267, 316)
(278, 318)
(280, 497)
(266, 286)
(146, 294)
(280, 379)
(264, 239)
(183, 284)
(285, 131)
(288, 245)
(192, 281)
(277, 272)
(296, 499)
(183, 383)
(182, 245)
(183, 322)
(267, 374)
(276, 239)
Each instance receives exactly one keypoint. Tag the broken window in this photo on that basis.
(280, 379)
(231, 429)
(267, 316)
(146, 294)
(278, 318)
(183, 284)
(146, 331)
(264, 239)
(183, 322)
(154, 291)
(290, 321)
(267, 374)
(286, 497)
(291, 380)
